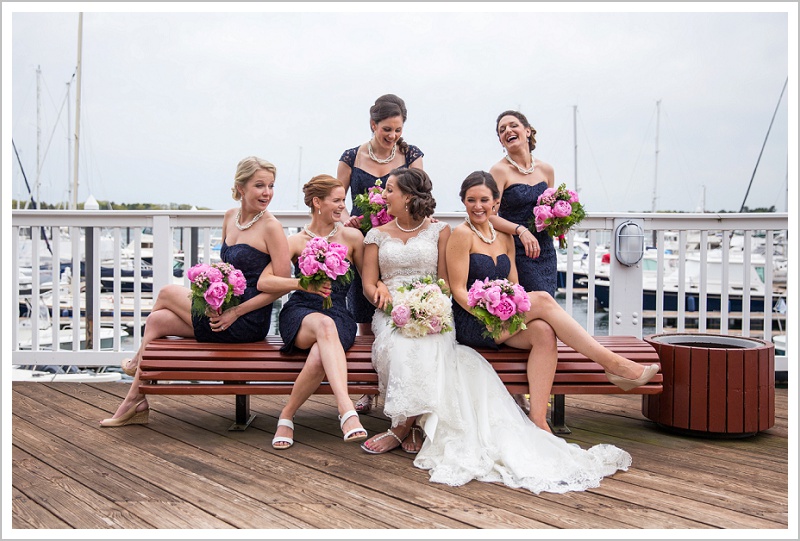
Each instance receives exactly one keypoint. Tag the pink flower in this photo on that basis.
(435, 325)
(196, 271)
(376, 198)
(492, 295)
(549, 192)
(237, 281)
(504, 309)
(573, 197)
(561, 209)
(309, 265)
(542, 212)
(333, 264)
(400, 315)
(214, 275)
(521, 298)
(215, 294)
(540, 225)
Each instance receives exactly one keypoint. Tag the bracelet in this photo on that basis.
(516, 229)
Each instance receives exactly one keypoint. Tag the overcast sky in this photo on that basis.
(170, 102)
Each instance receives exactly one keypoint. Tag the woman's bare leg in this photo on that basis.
(319, 329)
(569, 331)
(308, 380)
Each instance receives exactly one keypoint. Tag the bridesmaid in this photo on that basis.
(252, 239)
(359, 168)
(304, 324)
(521, 179)
(476, 250)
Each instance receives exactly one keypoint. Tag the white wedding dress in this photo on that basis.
(473, 428)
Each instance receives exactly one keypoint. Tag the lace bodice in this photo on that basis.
(401, 261)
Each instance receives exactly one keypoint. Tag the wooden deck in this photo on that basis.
(186, 470)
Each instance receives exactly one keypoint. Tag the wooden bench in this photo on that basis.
(185, 366)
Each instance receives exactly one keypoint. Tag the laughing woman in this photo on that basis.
(305, 324)
(476, 251)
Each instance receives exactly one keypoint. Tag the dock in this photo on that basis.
(186, 471)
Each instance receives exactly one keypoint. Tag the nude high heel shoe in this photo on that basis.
(130, 417)
(127, 368)
(626, 384)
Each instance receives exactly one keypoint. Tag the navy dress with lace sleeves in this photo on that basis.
(254, 325)
(361, 181)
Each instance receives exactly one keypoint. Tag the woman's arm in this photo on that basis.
(278, 248)
(458, 249)
(441, 267)
(374, 290)
(343, 172)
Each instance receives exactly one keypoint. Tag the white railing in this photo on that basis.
(70, 235)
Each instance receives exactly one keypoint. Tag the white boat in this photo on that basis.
(65, 336)
(27, 374)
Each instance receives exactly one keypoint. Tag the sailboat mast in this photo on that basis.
(575, 140)
(38, 130)
(77, 116)
(655, 176)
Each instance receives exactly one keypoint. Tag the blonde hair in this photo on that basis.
(319, 186)
(245, 170)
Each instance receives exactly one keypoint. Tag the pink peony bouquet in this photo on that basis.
(421, 307)
(499, 304)
(321, 261)
(373, 208)
(216, 286)
(556, 211)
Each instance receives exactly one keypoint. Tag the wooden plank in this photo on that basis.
(698, 401)
(718, 382)
(28, 514)
(735, 391)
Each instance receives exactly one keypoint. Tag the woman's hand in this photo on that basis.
(382, 297)
(221, 321)
(354, 221)
(323, 289)
(528, 239)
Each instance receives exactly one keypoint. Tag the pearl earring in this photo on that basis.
(319, 211)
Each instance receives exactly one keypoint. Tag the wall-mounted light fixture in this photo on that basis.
(629, 241)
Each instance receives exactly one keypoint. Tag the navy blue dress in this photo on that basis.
(516, 205)
(254, 325)
(302, 303)
(469, 329)
(361, 181)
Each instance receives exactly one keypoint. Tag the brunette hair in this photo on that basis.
(416, 183)
(479, 178)
(319, 186)
(519, 116)
(245, 170)
(390, 106)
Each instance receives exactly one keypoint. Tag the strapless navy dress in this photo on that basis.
(516, 205)
(469, 329)
(252, 326)
(302, 303)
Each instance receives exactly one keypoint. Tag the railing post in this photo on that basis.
(625, 294)
(162, 253)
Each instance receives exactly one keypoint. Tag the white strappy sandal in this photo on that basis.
(356, 434)
(281, 439)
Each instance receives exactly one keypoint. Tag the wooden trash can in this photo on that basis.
(714, 385)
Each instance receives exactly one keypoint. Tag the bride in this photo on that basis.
(473, 427)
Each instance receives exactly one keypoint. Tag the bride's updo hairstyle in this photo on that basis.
(479, 178)
(519, 116)
(416, 183)
(321, 187)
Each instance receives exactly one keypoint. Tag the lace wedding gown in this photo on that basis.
(473, 427)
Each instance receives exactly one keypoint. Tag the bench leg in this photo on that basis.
(243, 417)
(557, 414)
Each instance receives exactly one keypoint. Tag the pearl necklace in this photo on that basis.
(326, 237)
(249, 224)
(408, 230)
(374, 158)
(520, 169)
(480, 235)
